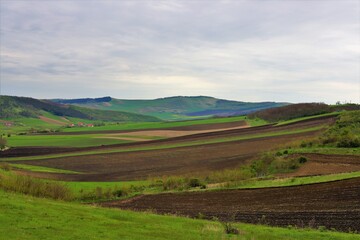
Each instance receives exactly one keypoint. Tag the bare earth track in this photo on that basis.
(333, 205)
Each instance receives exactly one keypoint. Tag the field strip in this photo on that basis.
(185, 144)
(34, 168)
(292, 181)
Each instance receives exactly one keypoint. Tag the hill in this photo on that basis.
(23, 107)
(300, 110)
(171, 108)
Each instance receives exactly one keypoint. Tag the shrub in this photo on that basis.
(302, 159)
(3, 143)
(35, 187)
(5, 166)
(229, 228)
(194, 182)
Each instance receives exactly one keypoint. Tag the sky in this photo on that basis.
(288, 51)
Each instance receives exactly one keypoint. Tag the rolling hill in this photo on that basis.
(172, 108)
(12, 107)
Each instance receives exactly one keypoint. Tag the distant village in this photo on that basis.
(80, 124)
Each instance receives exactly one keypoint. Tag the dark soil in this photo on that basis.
(333, 205)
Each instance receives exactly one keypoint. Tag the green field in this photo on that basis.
(156, 125)
(24, 217)
(294, 181)
(40, 169)
(306, 118)
(62, 140)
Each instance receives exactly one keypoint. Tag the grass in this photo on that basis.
(306, 118)
(25, 217)
(295, 181)
(88, 186)
(327, 150)
(156, 125)
(167, 146)
(40, 169)
(62, 140)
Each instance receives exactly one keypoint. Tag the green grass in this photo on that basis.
(167, 146)
(156, 125)
(294, 181)
(23, 217)
(40, 169)
(306, 118)
(85, 140)
(327, 150)
(88, 186)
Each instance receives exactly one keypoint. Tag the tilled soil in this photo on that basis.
(35, 151)
(333, 205)
(321, 164)
(173, 161)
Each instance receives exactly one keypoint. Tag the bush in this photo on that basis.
(3, 143)
(230, 228)
(194, 182)
(35, 187)
(5, 166)
(302, 159)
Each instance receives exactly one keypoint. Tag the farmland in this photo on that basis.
(153, 165)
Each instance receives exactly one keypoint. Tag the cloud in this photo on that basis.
(244, 50)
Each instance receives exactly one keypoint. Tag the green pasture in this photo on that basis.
(293, 181)
(306, 118)
(34, 168)
(45, 140)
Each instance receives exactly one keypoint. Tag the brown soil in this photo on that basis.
(172, 133)
(321, 164)
(182, 160)
(52, 121)
(333, 205)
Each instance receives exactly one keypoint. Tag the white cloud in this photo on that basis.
(246, 50)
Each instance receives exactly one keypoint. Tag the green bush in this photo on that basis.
(35, 187)
(302, 159)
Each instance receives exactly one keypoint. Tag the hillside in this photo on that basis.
(174, 107)
(22, 107)
(300, 110)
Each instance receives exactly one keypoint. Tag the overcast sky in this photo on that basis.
(293, 51)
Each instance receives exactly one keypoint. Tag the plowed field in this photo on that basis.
(333, 205)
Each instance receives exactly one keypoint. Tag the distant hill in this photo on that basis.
(20, 107)
(300, 110)
(174, 107)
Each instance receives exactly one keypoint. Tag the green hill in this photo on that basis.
(22, 107)
(172, 108)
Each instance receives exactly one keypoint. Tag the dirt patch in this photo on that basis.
(52, 121)
(333, 205)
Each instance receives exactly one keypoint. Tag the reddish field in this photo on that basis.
(333, 205)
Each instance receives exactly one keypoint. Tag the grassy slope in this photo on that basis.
(40, 169)
(23, 217)
(177, 108)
